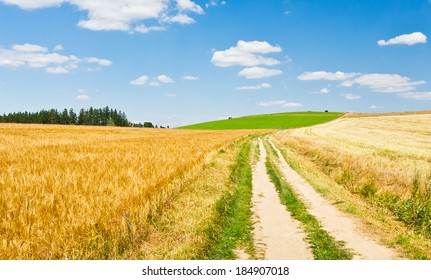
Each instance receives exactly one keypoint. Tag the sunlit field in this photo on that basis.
(384, 160)
(71, 192)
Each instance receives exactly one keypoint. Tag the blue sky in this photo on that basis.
(176, 62)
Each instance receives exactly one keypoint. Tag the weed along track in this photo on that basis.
(329, 233)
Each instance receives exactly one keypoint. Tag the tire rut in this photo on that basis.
(278, 236)
(341, 226)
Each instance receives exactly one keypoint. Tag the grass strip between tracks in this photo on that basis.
(324, 246)
(234, 223)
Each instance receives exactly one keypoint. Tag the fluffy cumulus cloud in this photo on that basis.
(247, 54)
(251, 55)
(82, 97)
(417, 95)
(282, 103)
(101, 62)
(384, 82)
(39, 57)
(291, 105)
(259, 72)
(34, 4)
(324, 91)
(323, 75)
(390, 83)
(405, 39)
(155, 82)
(190, 78)
(164, 79)
(187, 5)
(256, 87)
(123, 15)
(142, 80)
(350, 96)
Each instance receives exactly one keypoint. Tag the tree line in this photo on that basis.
(92, 116)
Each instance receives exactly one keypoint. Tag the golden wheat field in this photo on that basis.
(71, 192)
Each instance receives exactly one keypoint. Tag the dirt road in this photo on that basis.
(279, 236)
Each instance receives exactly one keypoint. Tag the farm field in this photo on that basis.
(76, 192)
(377, 168)
(70, 192)
(270, 121)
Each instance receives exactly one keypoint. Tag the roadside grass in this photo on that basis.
(269, 121)
(324, 246)
(201, 221)
(233, 225)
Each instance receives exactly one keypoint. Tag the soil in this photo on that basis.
(278, 236)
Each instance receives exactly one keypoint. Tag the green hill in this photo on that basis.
(270, 121)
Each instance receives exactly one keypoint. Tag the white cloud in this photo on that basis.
(155, 82)
(142, 80)
(323, 75)
(57, 70)
(405, 39)
(384, 82)
(58, 48)
(36, 57)
(246, 54)
(291, 105)
(123, 15)
(164, 79)
(180, 18)
(256, 87)
(272, 103)
(34, 4)
(324, 91)
(259, 72)
(190, 78)
(101, 62)
(29, 48)
(171, 95)
(144, 29)
(350, 96)
(82, 97)
(417, 95)
(282, 103)
(187, 5)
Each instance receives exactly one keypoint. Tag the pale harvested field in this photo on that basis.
(90, 192)
(378, 168)
(388, 149)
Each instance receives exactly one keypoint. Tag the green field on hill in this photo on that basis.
(270, 121)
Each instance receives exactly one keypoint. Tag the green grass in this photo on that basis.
(234, 225)
(270, 121)
(324, 246)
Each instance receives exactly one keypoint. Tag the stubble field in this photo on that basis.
(382, 161)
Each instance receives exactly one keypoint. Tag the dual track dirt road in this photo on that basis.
(279, 236)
